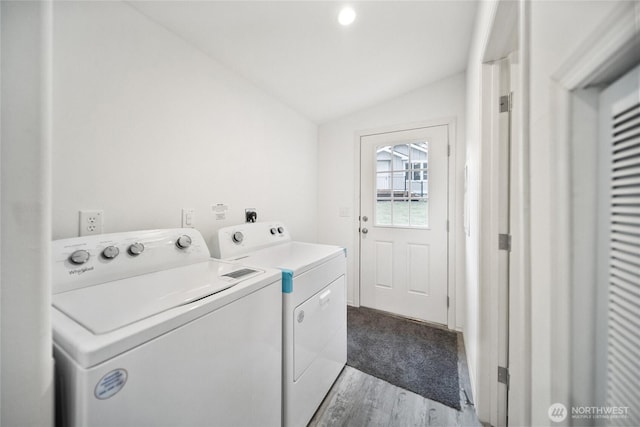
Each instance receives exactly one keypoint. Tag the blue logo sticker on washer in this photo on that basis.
(287, 281)
(110, 384)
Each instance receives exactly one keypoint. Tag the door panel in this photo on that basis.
(404, 246)
(419, 259)
(383, 264)
(619, 251)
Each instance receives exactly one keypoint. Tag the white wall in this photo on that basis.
(472, 332)
(336, 163)
(145, 125)
(26, 383)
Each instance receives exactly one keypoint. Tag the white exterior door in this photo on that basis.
(403, 222)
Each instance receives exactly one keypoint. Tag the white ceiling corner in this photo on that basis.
(297, 51)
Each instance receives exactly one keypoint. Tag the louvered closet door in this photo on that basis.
(623, 355)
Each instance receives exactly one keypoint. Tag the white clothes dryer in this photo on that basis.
(150, 331)
(314, 308)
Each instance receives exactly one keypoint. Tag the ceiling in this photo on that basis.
(297, 51)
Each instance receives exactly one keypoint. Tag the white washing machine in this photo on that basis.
(314, 308)
(150, 331)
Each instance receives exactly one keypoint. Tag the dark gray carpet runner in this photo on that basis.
(405, 353)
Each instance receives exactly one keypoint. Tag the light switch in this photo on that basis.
(188, 218)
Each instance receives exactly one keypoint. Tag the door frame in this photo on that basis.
(505, 40)
(452, 235)
(599, 58)
(496, 272)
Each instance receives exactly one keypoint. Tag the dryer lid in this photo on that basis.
(109, 306)
(295, 256)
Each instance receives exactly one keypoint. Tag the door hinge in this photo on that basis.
(503, 375)
(447, 301)
(504, 242)
(447, 226)
(448, 150)
(505, 103)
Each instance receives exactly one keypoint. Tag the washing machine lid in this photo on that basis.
(110, 306)
(295, 256)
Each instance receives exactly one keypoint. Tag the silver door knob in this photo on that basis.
(365, 231)
(365, 218)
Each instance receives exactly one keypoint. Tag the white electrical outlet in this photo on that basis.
(188, 218)
(91, 222)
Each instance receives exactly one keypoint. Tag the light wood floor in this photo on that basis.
(358, 399)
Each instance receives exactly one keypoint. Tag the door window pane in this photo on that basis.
(401, 212)
(402, 188)
(384, 184)
(383, 212)
(384, 165)
(420, 212)
(399, 185)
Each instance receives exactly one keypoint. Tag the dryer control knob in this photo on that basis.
(273, 231)
(136, 249)
(79, 257)
(237, 237)
(183, 241)
(110, 252)
(280, 230)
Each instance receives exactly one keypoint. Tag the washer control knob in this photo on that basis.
(110, 252)
(273, 231)
(183, 241)
(237, 237)
(79, 257)
(280, 230)
(136, 249)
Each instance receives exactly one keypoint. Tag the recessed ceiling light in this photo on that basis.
(347, 16)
